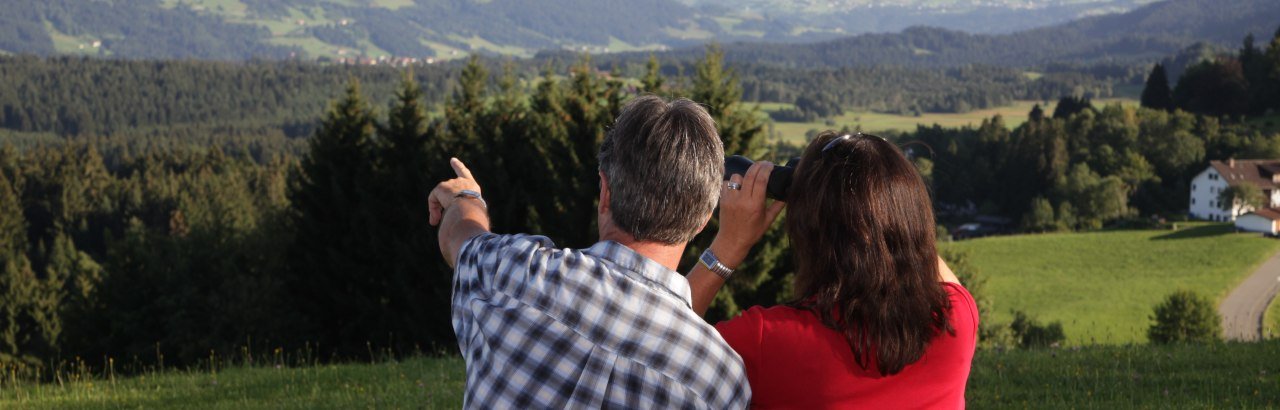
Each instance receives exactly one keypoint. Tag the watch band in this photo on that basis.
(472, 194)
(713, 264)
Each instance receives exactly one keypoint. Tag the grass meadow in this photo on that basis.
(1101, 285)
(1014, 115)
(420, 382)
(1132, 376)
(1104, 285)
(1271, 322)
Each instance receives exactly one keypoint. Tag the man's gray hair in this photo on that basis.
(664, 163)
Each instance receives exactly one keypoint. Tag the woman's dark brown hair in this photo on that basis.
(863, 236)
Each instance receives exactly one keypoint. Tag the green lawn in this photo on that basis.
(1103, 286)
(413, 383)
(1014, 115)
(1271, 322)
(1228, 376)
(1237, 375)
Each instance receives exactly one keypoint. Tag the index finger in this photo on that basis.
(759, 179)
(460, 169)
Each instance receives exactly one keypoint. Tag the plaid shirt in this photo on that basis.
(541, 327)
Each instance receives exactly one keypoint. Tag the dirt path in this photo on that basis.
(1242, 310)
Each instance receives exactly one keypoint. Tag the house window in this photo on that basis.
(1193, 201)
(1193, 187)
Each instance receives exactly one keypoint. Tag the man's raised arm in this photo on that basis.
(459, 210)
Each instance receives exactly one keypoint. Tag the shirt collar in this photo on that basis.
(647, 270)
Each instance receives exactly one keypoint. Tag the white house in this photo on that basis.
(1262, 220)
(1206, 186)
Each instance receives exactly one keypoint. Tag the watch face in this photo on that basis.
(709, 260)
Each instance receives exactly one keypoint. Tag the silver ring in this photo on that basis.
(733, 185)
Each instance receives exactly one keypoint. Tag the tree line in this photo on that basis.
(1081, 168)
(82, 96)
(77, 96)
(150, 249)
(167, 253)
(1244, 84)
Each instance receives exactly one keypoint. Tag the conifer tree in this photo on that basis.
(413, 278)
(591, 106)
(742, 132)
(652, 81)
(329, 255)
(20, 336)
(1269, 90)
(1036, 114)
(1157, 95)
(552, 167)
(719, 90)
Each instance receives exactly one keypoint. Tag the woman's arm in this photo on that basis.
(944, 272)
(744, 217)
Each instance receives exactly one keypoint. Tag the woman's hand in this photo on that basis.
(744, 215)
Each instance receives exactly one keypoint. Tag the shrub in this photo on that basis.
(1185, 317)
(1029, 333)
(990, 333)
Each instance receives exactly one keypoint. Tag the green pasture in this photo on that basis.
(1014, 115)
(1103, 285)
(1271, 321)
(1135, 376)
(414, 383)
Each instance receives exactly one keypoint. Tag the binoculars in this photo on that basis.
(779, 179)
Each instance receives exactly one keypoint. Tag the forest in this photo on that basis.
(141, 248)
(146, 250)
(78, 96)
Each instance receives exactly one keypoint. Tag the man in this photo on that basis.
(606, 326)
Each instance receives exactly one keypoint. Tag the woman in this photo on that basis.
(879, 321)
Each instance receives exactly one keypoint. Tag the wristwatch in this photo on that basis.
(472, 194)
(713, 264)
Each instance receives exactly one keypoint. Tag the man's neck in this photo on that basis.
(667, 255)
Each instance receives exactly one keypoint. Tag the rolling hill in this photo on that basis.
(1145, 34)
(245, 29)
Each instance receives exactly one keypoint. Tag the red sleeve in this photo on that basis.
(743, 335)
(966, 306)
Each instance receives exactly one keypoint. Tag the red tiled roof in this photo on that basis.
(1259, 172)
(1269, 213)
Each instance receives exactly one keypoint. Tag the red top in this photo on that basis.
(793, 361)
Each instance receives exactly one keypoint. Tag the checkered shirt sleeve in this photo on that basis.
(604, 327)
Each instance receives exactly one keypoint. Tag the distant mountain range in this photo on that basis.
(442, 29)
(958, 32)
(1144, 35)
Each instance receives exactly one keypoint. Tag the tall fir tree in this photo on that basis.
(591, 105)
(719, 90)
(743, 133)
(1157, 95)
(21, 336)
(1269, 90)
(652, 81)
(413, 279)
(329, 255)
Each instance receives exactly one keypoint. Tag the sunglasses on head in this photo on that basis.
(846, 137)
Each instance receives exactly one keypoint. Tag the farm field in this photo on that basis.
(1222, 375)
(1014, 115)
(1104, 285)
